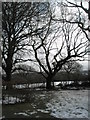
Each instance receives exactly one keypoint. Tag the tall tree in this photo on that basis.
(17, 18)
(59, 43)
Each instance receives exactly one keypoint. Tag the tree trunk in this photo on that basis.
(48, 83)
(8, 80)
(8, 70)
(53, 83)
(8, 76)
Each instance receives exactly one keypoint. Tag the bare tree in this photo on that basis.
(17, 18)
(72, 67)
(50, 43)
(79, 14)
(58, 44)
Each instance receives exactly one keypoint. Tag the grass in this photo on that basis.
(32, 108)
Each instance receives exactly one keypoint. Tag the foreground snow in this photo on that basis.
(69, 104)
(57, 104)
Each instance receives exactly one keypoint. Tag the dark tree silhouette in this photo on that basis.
(58, 44)
(17, 18)
(74, 68)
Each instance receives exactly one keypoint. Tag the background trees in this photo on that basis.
(73, 67)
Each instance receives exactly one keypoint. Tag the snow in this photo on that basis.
(11, 100)
(42, 95)
(2, 117)
(69, 104)
(57, 104)
(43, 111)
(33, 112)
(0, 102)
(25, 86)
(20, 86)
(26, 113)
(22, 113)
(64, 104)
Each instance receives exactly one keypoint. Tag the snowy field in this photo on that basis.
(55, 104)
(69, 104)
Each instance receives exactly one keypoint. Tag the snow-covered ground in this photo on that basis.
(57, 104)
(69, 104)
(12, 100)
(21, 86)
